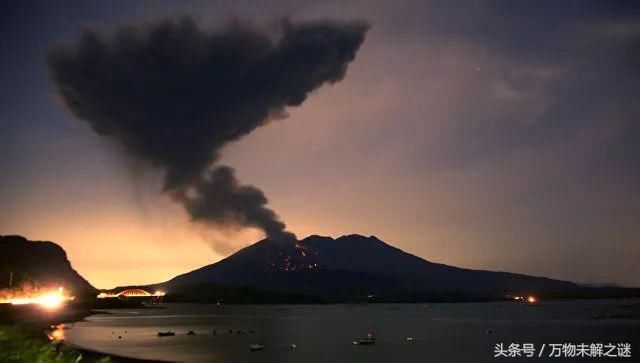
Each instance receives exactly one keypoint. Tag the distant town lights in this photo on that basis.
(529, 299)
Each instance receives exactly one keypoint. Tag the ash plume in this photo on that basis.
(174, 94)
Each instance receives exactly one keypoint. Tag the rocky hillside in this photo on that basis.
(38, 263)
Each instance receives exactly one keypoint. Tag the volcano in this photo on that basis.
(359, 268)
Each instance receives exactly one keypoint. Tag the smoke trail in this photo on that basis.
(173, 95)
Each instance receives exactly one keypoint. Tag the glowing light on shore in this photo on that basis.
(531, 299)
(49, 300)
(130, 293)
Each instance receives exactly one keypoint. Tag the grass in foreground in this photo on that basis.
(17, 346)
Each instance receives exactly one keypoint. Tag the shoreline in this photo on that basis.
(36, 330)
(95, 355)
(30, 328)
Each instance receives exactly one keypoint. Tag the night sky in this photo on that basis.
(494, 135)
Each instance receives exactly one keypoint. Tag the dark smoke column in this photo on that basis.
(174, 95)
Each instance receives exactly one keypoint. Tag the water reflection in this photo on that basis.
(57, 332)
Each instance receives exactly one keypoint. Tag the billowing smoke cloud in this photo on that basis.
(173, 95)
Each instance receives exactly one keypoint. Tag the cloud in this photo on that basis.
(174, 94)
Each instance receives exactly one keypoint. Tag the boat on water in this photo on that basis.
(256, 347)
(369, 340)
(166, 334)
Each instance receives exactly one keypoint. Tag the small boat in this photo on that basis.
(166, 334)
(191, 332)
(409, 339)
(370, 339)
(364, 341)
(256, 347)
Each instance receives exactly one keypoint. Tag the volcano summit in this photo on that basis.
(359, 268)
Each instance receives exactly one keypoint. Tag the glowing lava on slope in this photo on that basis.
(298, 258)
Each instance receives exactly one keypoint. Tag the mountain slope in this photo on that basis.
(354, 267)
(38, 263)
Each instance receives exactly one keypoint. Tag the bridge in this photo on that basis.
(131, 293)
